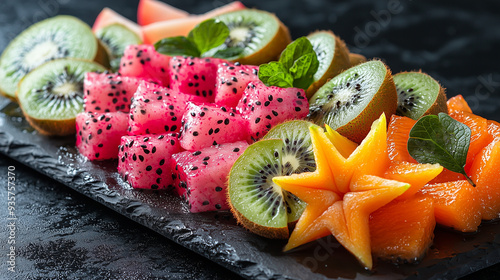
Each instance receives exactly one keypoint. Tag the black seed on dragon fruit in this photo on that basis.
(150, 115)
(264, 107)
(144, 169)
(201, 176)
(196, 76)
(216, 125)
(105, 92)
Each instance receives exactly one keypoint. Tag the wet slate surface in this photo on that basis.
(69, 236)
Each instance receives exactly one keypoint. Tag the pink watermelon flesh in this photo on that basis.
(196, 76)
(108, 92)
(201, 176)
(264, 107)
(98, 134)
(143, 61)
(144, 160)
(156, 109)
(232, 80)
(205, 125)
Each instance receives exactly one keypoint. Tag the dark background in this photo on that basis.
(63, 235)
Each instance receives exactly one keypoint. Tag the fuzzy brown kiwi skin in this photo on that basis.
(440, 105)
(384, 101)
(272, 50)
(53, 128)
(272, 233)
(340, 63)
(356, 59)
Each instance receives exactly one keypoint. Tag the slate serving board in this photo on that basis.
(216, 235)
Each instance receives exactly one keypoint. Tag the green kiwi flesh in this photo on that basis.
(115, 38)
(417, 93)
(53, 92)
(53, 38)
(346, 95)
(256, 201)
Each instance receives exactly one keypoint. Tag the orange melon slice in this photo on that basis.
(403, 230)
(150, 11)
(484, 172)
(456, 205)
(458, 103)
(397, 138)
(415, 174)
(447, 176)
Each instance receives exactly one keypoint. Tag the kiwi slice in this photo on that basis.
(261, 35)
(255, 200)
(352, 100)
(51, 95)
(333, 57)
(355, 59)
(115, 38)
(419, 95)
(57, 37)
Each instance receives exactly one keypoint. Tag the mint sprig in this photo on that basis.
(441, 139)
(200, 42)
(295, 68)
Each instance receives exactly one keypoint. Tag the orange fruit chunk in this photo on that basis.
(447, 176)
(456, 204)
(415, 174)
(458, 103)
(397, 138)
(403, 229)
(479, 133)
(484, 172)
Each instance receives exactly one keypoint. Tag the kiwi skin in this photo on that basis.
(439, 105)
(340, 63)
(272, 50)
(386, 98)
(356, 59)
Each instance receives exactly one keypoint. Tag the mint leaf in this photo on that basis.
(228, 53)
(209, 34)
(440, 139)
(179, 45)
(296, 67)
(303, 70)
(274, 74)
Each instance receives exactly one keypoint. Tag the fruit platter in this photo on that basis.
(275, 156)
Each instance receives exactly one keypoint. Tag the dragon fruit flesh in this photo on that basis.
(156, 109)
(98, 134)
(143, 61)
(144, 160)
(201, 176)
(206, 125)
(192, 75)
(232, 80)
(108, 92)
(264, 107)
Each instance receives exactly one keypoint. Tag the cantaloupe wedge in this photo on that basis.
(150, 11)
(484, 172)
(447, 176)
(397, 138)
(107, 16)
(403, 230)
(456, 204)
(458, 103)
(181, 26)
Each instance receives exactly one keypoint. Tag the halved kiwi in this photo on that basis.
(51, 95)
(115, 38)
(351, 101)
(261, 35)
(256, 201)
(419, 95)
(355, 59)
(57, 37)
(333, 57)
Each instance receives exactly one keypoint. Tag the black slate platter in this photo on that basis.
(216, 235)
(443, 51)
